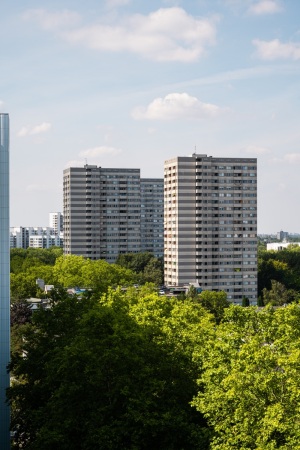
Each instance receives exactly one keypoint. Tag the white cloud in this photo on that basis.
(265, 7)
(274, 49)
(38, 129)
(95, 152)
(176, 106)
(75, 163)
(116, 3)
(168, 34)
(52, 20)
(91, 154)
(292, 158)
(256, 150)
(45, 126)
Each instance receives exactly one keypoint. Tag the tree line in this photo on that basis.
(134, 370)
(75, 271)
(127, 369)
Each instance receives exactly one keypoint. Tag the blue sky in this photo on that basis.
(125, 83)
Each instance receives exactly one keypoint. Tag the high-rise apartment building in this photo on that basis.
(4, 281)
(56, 222)
(152, 216)
(210, 221)
(102, 212)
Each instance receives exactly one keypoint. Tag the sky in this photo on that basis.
(131, 83)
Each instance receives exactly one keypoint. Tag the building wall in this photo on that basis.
(120, 206)
(102, 212)
(4, 281)
(152, 216)
(211, 224)
(56, 222)
(81, 192)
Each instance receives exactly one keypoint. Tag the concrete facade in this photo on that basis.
(152, 216)
(102, 212)
(210, 221)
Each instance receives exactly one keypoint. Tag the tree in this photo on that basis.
(278, 295)
(20, 313)
(250, 380)
(99, 275)
(22, 259)
(148, 267)
(192, 292)
(245, 301)
(215, 302)
(153, 272)
(111, 373)
(22, 286)
(282, 266)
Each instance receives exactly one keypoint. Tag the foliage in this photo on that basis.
(153, 272)
(21, 259)
(282, 266)
(148, 267)
(215, 302)
(28, 265)
(111, 373)
(278, 295)
(245, 301)
(99, 275)
(134, 261)
(20, 313)
(23, 285)
(192, 292)
(251, 380)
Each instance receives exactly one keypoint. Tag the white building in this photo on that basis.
(210, 221)
(56, 222)
(280, 245)
(35, 237)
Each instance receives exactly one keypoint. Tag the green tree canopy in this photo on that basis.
(215, 302)
(250, 384)
(110, 374)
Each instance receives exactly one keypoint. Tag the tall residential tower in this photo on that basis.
(103, 212)
(4, 281)
(210, 220)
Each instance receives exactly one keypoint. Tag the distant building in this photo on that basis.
(103, 212)
(282, 235)
(56, 222)
(210, 219)
(280, 245)
(35, 237)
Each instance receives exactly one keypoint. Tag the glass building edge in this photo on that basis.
(4, 282)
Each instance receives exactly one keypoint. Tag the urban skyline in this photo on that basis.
(226, 85)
